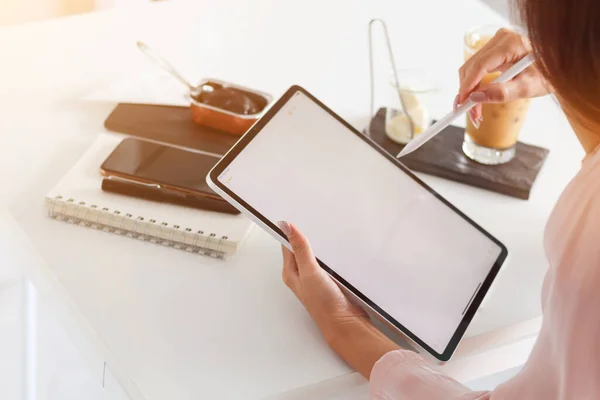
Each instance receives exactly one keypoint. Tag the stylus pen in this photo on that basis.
(439, 126)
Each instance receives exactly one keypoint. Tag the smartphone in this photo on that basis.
(162, 173)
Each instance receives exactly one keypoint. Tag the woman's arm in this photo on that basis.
(346, 327)
(361, 345)
(394, 373)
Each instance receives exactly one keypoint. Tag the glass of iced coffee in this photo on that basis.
(495, 140)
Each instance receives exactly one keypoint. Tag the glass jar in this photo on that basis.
(416, 86)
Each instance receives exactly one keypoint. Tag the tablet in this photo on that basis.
(380, 232)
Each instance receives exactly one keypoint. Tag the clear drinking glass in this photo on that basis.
(495, 140)
(416, 87)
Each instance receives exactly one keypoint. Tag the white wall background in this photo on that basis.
(13, 12)
(21, 11)
(501, 6)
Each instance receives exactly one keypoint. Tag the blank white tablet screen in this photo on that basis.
(370, 222)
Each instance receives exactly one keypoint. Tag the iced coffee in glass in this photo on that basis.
(495, 140)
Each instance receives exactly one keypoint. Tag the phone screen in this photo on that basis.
(155, 163)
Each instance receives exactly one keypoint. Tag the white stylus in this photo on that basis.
(439, 126)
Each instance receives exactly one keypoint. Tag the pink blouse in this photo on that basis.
(565, 361)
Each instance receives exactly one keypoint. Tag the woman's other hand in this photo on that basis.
(500, 53)
(320, 295)
(346, 327)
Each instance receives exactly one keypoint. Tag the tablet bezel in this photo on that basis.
(271, 226)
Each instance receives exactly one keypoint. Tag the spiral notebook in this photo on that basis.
(78, 199)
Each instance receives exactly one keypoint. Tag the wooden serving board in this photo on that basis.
(442, 156)
(168, 124)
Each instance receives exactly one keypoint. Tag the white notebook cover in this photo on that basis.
(78, 198)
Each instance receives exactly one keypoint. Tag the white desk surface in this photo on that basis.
(176, 325)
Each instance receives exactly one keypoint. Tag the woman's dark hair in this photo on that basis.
(565, 35)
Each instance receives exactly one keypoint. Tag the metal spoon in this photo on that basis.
(195, 91)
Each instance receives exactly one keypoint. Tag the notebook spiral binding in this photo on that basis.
(137, 227)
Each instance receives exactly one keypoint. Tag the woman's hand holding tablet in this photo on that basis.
(346, 327)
